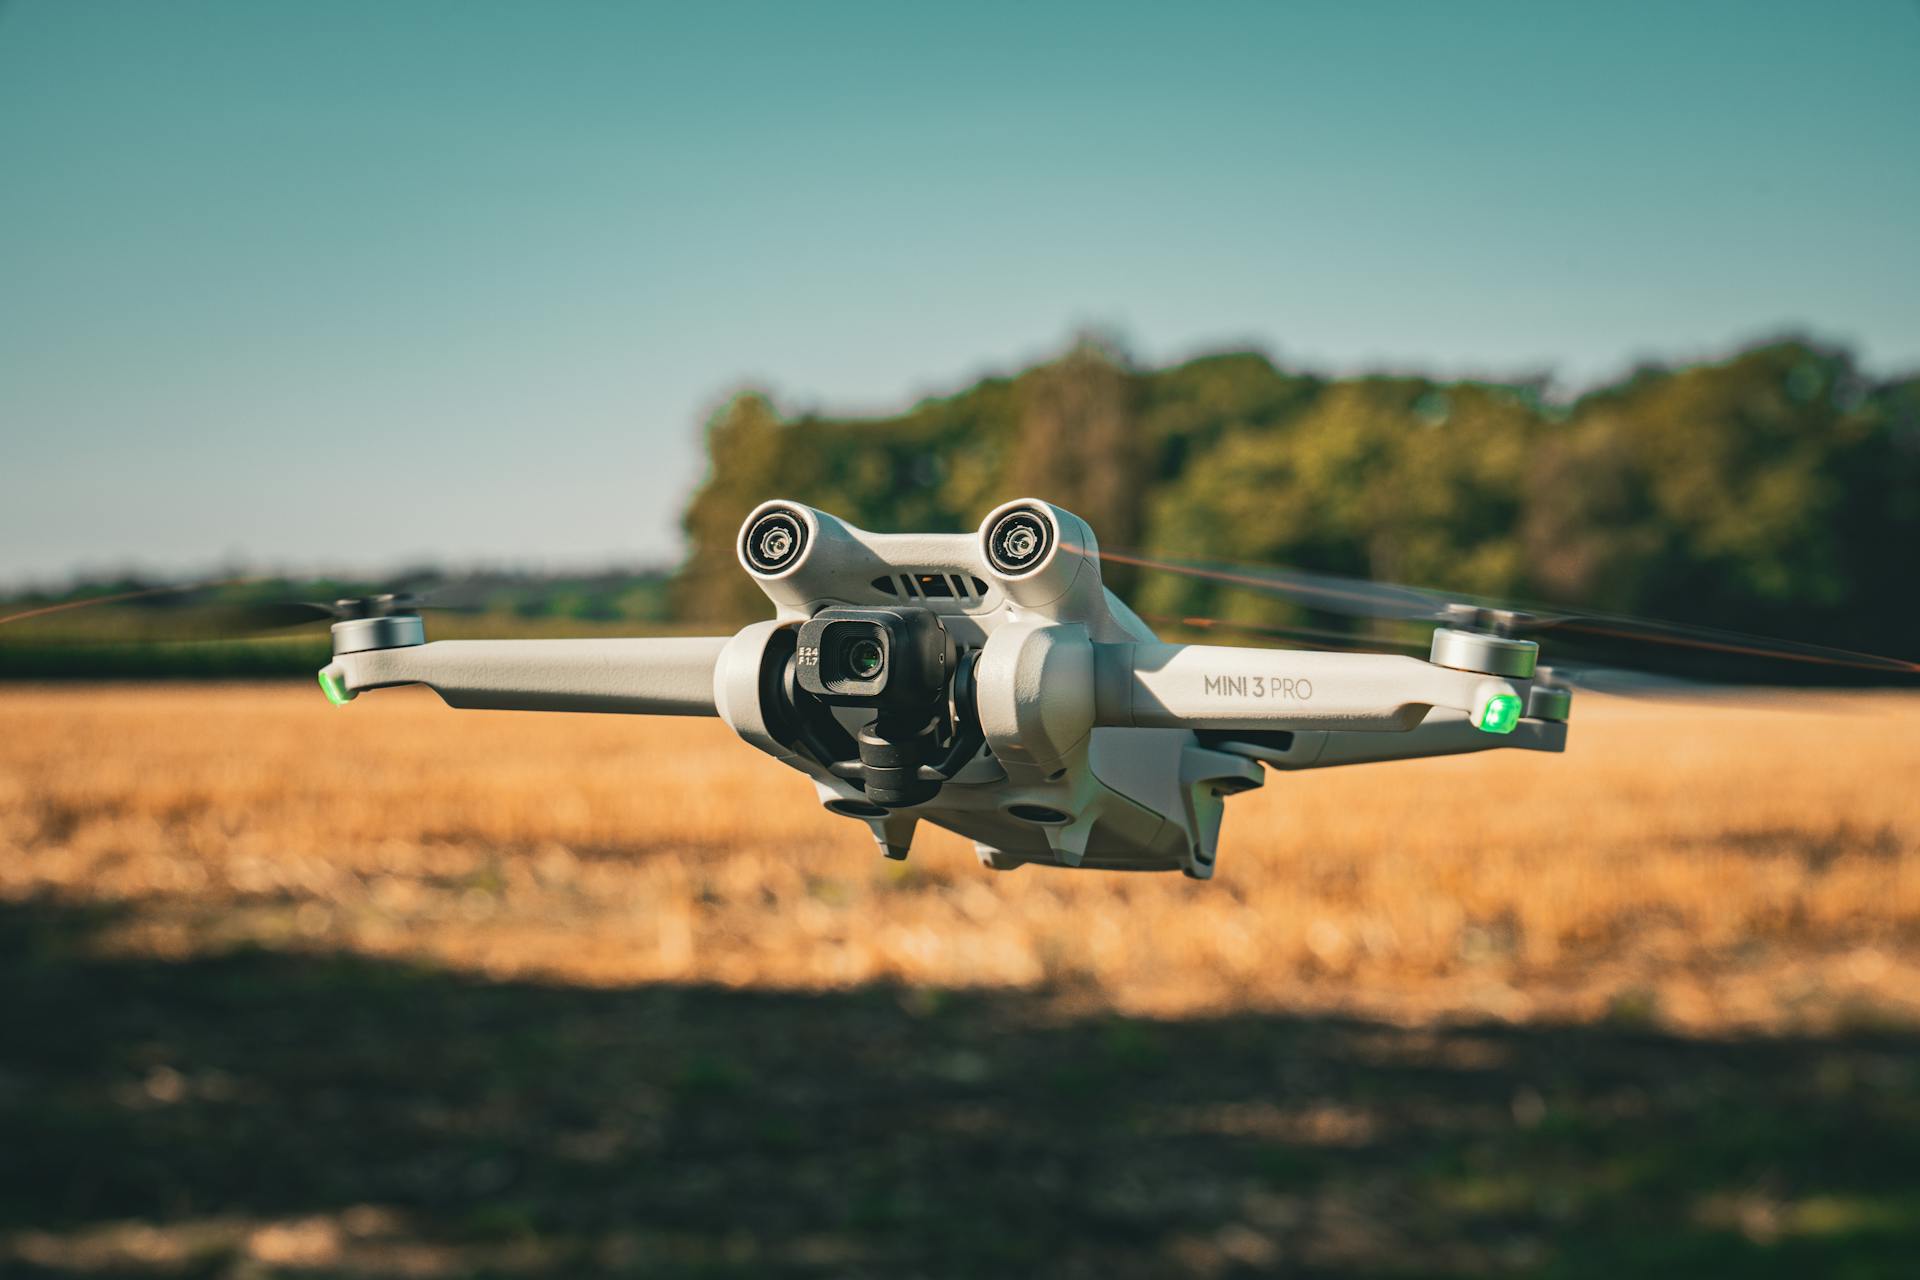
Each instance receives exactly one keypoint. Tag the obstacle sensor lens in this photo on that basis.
(1018, 541)
(775, 541)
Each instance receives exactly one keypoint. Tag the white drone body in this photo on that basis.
(990, 683)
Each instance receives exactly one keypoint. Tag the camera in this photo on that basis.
(888, 659)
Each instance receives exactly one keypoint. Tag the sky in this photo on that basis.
(364, 284)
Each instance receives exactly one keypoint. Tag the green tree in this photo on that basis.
(1715, 493)
(1080, 442)
(1392, 478)
(750, 459)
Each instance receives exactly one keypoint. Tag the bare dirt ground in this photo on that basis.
(395, 990)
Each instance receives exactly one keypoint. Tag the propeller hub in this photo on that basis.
(1483, 652)
(1474, 617)
(386, 605)
(387, 631)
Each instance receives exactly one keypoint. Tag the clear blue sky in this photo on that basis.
(358, 283)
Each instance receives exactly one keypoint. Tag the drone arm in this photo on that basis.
(1443, 733)
(1197, 686)
(665, 676)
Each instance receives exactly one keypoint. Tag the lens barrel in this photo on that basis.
(865, 659)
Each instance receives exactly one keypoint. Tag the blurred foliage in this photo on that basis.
(1777, 490)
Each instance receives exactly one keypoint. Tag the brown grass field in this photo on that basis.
(396, 990)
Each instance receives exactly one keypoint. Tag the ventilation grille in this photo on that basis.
(932, 586)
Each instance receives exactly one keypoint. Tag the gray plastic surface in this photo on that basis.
(1197, 686)
(661, 676)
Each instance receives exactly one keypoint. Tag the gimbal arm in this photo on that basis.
(662, 676)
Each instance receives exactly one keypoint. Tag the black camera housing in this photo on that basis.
(835, 649)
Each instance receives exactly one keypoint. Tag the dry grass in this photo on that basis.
(1704, 866)
(400, 991)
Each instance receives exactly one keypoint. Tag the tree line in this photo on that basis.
(1777, 490)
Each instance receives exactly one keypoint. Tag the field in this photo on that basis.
(395, 990)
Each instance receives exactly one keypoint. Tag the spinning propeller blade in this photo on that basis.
(1316, 637)
(1608, 640)
(181, 612)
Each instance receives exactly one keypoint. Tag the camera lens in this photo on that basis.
(865, 658)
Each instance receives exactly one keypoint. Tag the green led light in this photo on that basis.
(335, 689)
(1500, 715)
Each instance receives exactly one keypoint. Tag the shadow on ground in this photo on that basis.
(264, 1113)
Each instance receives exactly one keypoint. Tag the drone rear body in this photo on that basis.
(991, 684)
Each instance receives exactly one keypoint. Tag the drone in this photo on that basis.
(991, 684)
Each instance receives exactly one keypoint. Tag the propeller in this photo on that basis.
(182, 612)
(1319, 637)
(1578, 636)
(275, 615)
(235, 607)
